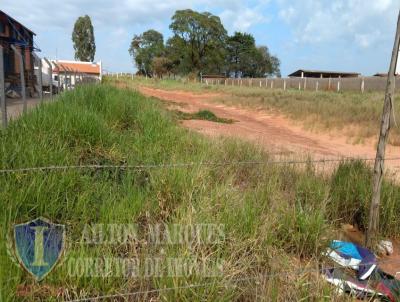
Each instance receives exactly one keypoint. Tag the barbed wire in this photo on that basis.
(188, 164)
(236, 280)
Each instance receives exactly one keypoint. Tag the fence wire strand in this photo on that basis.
(189, 164)
(234, 280)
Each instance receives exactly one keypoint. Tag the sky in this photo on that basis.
(342, 35)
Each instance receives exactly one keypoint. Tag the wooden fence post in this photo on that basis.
(317, 86)
(22, 77)
(3, 90)
(373, 225)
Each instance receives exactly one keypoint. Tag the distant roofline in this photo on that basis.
(325, 71)
(77, 62)
(94, 65)
(384, 74)
(12, 19)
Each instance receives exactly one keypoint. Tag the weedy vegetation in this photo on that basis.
(277, 218)
(205, 115)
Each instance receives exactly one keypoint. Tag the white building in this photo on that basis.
(71, 72)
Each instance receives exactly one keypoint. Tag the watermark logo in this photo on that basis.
(39, 244)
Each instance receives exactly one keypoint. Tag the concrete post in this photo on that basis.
(22, 77)
(272, 84)
(317, 86)
(40, 79)
(362, 85)
(338, 85)
(284, 84)
(3, 90)
(51, 76)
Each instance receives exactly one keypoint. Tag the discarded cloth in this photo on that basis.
(345, 283)
(370, 280)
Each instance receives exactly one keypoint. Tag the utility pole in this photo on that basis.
(373, 225)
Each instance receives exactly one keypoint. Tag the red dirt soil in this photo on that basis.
(271, 130)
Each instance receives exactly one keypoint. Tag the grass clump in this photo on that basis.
(276, 219)
(205, 115)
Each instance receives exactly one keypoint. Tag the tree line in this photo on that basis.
(201, 45)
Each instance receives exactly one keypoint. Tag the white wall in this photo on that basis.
(398, 64)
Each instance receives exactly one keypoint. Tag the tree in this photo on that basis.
(175, 50)
(201, 38)
(83, 39)
(241, 54)
(245, 59)
(268, 64)
(200, 44)
(161, 66)
(144, 48)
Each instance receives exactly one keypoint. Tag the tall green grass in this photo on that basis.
(277, 218)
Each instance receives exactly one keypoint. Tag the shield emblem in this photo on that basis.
(39, 245)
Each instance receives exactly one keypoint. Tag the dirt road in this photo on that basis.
(273, 131)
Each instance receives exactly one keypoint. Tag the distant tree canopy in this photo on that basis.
(145, 48)
(200, 44)
(83, 39)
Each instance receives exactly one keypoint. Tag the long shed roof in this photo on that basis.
(323, 74)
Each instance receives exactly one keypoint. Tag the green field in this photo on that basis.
(277, 218)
